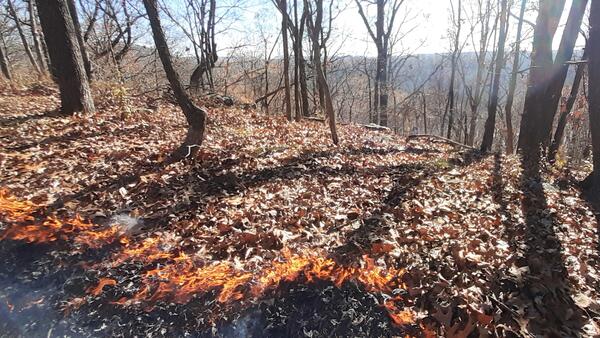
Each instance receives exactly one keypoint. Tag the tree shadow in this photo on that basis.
(16, 120)
(541, 287)
(406, 177)
(213, 179)
(594, 204)
(75, 135)
(360, 241)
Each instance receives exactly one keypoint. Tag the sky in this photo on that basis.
(427, 20)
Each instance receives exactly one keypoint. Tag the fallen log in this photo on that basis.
(440, 138)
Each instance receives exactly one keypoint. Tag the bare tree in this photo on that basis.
(486, 24)
(79, 36)
(65, 56)
(206, 48)
(315, 29)
(510, 97)
(4, 64)
(540, 75)
(15, 16)
(35, 35)
(384, 25)
(282, 6)
(450, 104)
(490, 123)
(108, 29)
(567, 108)
(195, 116)
(561, 67)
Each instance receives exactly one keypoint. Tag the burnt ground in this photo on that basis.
(485, 249)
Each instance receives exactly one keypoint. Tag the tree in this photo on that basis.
(594, 96)
(381, 38)
(490, 123)
(195, 116)
(84, 55)
(510, 97)
(561, 67)
(530, 135)
(15, 16)
(315, 29)
(567, 108)
(114, 37)
(282, 6)
(482, 17)
(450, 104)
(65, 56)
(35, 35)
(4, 64)
(198, 25)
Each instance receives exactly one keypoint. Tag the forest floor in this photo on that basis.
(271, 231)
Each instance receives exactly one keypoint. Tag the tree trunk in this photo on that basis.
(65, 56)
(450, 105)
(561, 68)
(530, 136)
(286, 59)
(424, 113)
(35, 34)
(302, 65)
(84, 55)
(4, 64)
(382, 86)
(298, 115)
(510, 97)
(207, 48)
(314, 33)
(594, 95)
(490, 123)
(13, 13)
(382, 66)
(195, 116)
(568, 108)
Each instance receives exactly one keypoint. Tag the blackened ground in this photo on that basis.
(36, 286)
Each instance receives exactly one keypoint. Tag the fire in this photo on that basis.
(25, 227)
(180, 279)
(177, 277)
(14, 210)
(96, 291)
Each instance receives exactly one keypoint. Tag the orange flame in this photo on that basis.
(179, 280)
(96, 291)
(23, 225)
(179, 277)
(14, 210)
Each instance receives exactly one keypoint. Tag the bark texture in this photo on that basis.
(65, 56)
(594, 95)
(195, 116)
(84, 54)
(530, 134)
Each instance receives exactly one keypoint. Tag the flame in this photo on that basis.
(25, 227)
(14, 210)
(96, 291)
(180, 279)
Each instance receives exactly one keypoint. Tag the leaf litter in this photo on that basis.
(273, 231)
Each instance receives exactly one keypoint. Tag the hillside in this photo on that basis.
(272, 231)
